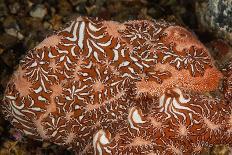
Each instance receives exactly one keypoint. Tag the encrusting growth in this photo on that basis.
(227, 83)
(103, 87)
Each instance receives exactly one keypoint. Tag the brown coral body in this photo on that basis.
(108, 88)
(227, 82)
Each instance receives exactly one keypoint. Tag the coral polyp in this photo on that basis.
(103, 87)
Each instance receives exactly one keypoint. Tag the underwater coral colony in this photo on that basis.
(103, 87)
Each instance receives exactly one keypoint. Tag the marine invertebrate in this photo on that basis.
(105, 87)
(227, 83)
(179, 123)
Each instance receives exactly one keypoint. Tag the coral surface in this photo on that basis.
(102, 87)
(227, 83)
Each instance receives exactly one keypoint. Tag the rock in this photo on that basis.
(9, 22)
(7, 41)
(77, 2)
(30, 23)
(12, 28)
(39, 11)
(10, 58)
(1, 50)
(221, 150)
(80, 8)
(3, 8)
(64, 7)
(47, 25)
(14, 8)
(15, 33)
(216, 16)
(56, 22)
